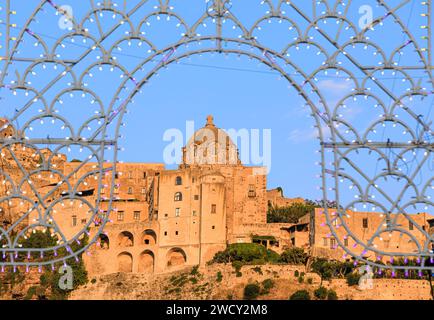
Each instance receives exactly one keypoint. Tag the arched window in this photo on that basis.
(125, 239)
(178, 181)
(176, 257)
(178, 196)
(104, 242)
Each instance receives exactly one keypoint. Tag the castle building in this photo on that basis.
(311, 232)
(161, 220)
(166, 219)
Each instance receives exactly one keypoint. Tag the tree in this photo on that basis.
(323, 268)
(288, 214)
(294, 256)
(246, 253)
(251, 291)
(300, 295)
(49, 280)
(332, 295)
(321, 293)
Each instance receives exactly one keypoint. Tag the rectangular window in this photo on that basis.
(213, 227)
(194, 213)
(144, 175)
(130, 174)
(332, 243)
(74, 221)
(130, 190)
(252, 191)
(346, 242)
(136, 215)
(143, 190)
(83, 221)
(177, 212)
(324, 242)
(410, 225)
(165, 233)
(213, 208)
(116, 189)
(121, 216)
(176, 232)
(365, 223)
(196, 197)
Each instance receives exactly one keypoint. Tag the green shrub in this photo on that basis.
(331, 295)
(50, 279)
(93, 281)
(294, 256)
(30, 293)
(296, 273)
(247, 253)
(251, 291)
(272, 256)
(321, 293)
(300, 279)
(300, 295)
(288, 214)
(195, 271)
(309, 280)
(353, 279)
(258, 270)
(193, 280)
(237, 265)
(219, 276)
(267, 284)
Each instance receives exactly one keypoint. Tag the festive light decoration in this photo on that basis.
(85, 50)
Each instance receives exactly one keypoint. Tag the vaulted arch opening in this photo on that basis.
(146, 262)
(125, 262)
(176, 257)
(125, 239)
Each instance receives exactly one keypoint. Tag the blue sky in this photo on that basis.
(239, 93)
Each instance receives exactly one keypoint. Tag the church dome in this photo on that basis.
(210, 145)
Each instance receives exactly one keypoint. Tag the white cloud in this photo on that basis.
(303, 135)
(335, 85)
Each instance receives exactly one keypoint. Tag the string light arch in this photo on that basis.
(89, 46)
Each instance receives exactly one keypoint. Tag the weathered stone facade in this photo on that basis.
(162, 220)
(312, 232)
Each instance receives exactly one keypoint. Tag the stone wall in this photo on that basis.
(286, 282)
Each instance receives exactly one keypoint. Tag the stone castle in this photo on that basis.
(162, 220)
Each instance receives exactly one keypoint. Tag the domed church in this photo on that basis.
(185, 216)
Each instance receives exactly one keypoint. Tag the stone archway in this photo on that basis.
(146, 262)
(104, 242)
(149, 237)
(176, 257)
(125, 239)
(125, 262)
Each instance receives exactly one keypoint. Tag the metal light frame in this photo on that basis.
(247, 44)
